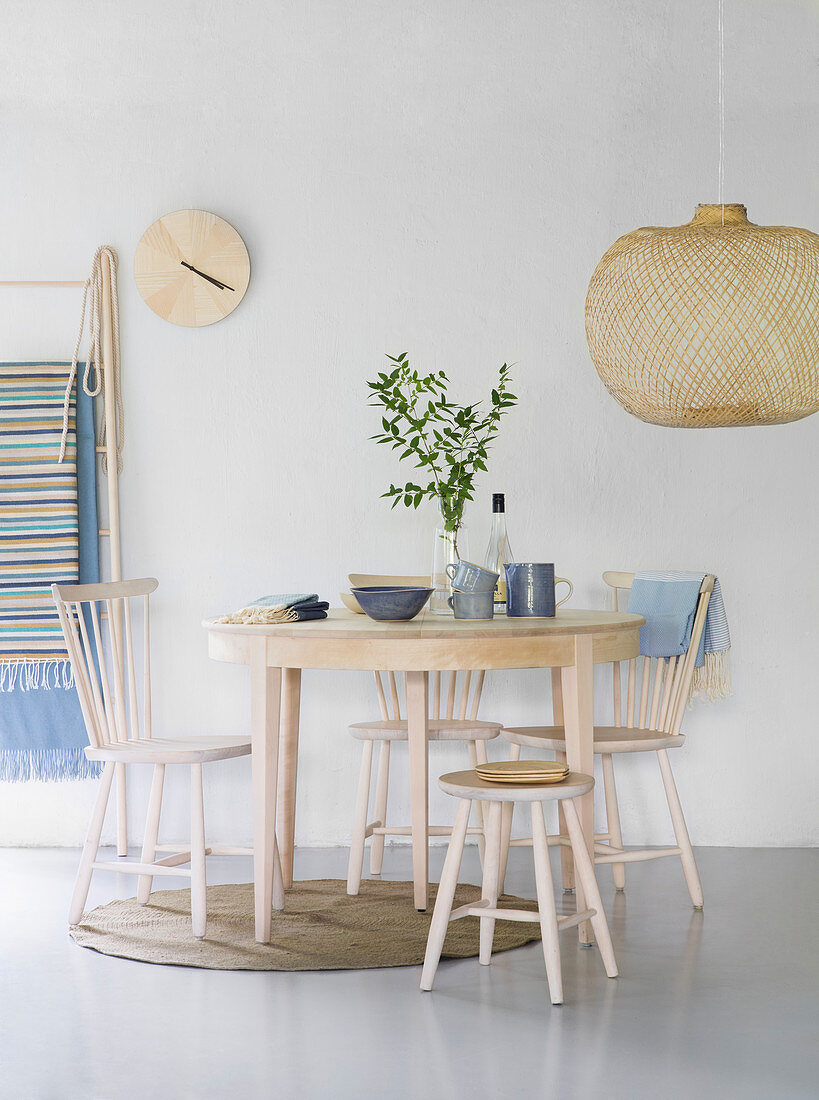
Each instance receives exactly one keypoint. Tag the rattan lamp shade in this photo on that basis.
(708, 324)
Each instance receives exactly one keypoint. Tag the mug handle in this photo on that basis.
(564, 580)
(453, 567)
(451, 604)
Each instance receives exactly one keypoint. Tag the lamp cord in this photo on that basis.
(721, 173)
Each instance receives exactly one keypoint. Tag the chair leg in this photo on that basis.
(445, 895)
(585, 872)
(145, 882)
(199, 915)
(546, 904)
(618, 870)
(360, 821)
(91, 847)
(480, 818)
(566, 861)
(689, 865)
(491, 878)
(382, 784)
(507, 814)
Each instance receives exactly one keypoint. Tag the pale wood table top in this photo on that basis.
(345, 640)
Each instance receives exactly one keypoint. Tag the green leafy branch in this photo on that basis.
(449, 442)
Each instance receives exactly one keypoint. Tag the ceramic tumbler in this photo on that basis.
(468, 577)
(473, 605)
(530, 590)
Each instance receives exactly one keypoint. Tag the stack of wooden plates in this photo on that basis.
(523, 771)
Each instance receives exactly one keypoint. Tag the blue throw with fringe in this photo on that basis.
(42, 733)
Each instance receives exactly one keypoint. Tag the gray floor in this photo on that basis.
(715, 1004)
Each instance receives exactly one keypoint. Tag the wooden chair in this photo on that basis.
(469, 787)
(454, 701)
(106, 680)
(647, 718)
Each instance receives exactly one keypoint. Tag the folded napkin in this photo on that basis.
(284, 607)
(668, 602)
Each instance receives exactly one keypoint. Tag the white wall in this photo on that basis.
(439, 177)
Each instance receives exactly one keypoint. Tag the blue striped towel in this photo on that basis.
(668, 602)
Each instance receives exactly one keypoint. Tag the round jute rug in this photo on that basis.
(321, 928)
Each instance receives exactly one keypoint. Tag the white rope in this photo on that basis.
(92, 300)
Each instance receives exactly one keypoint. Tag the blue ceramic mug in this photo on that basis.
(530, 590)
(465, 576)
(472, 605)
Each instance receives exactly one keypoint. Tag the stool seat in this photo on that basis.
(607, 739)
(469, 784)
(439, 729)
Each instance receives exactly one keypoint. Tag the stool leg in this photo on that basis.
(491, 879)
(360, 822)
(689, 865)
(585, 872)
(507, 813)
(618, 870)
(382, 784)
(445, 895)
(546, 904)
(566, 862)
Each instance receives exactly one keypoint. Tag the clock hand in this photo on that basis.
(222, 286)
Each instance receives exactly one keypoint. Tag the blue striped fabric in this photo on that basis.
(38, 522)
(667, 600)
(42, 733)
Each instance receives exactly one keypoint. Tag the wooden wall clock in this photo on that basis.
(191, 267)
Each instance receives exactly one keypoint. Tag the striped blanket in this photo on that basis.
(42, 733)
(39, 530)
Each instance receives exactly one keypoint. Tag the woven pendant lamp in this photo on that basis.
(710, 324)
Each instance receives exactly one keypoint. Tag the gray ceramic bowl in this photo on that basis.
(392, 603)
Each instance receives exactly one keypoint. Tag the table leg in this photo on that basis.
(417, 690)
(578, 721)
(288, 765)
(265, 712)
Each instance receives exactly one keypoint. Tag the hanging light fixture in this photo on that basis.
(709, 324)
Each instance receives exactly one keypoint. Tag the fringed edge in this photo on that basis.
(712, 681)
(261, 616)
(46, 765)
(32, 675)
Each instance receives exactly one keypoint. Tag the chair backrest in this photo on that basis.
(657, 688)
(105, 674)
(451, 695)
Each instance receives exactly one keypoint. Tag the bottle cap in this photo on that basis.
(498, 502)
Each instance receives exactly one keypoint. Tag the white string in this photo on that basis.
(92, 299)
(721, 175)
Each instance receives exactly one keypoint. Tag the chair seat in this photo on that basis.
(469, 784)
(440, 729)
(161, 750)
(607, 739)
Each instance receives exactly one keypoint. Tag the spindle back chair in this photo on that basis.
(99, 624)
(454, 700)
(650, 696)
(657, 689)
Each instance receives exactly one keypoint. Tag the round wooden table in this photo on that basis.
(570, 644)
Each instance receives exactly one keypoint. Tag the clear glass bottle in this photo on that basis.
(498, 552)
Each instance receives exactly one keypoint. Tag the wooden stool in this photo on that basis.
(469, 787)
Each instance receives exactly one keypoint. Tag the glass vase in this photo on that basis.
(443, 552)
